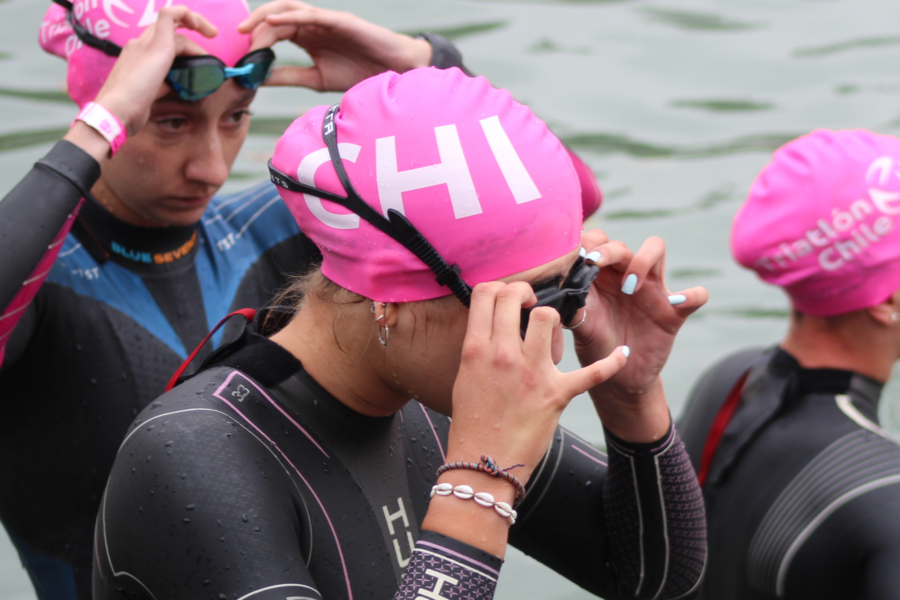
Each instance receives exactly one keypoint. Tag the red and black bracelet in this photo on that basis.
(488, 466)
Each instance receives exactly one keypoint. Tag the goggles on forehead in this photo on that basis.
(192, 77)
(566, 299)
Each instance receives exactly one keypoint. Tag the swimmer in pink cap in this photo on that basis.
(443, 208)
(119, 256)
(788, 437)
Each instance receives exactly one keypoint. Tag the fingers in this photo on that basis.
(582, 380)
(481, 315)
(688, 301)
(174, 17)
(508, 310)
(272, 8)
(308, 77)
(542, 322)
(650, 259)
(187, 47)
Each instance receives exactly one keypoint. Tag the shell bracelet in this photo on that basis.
(464, 492)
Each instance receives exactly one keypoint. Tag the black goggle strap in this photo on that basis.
(87, 38)
(396, 225)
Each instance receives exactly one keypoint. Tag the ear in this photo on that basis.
(888, 312)
(386, 313)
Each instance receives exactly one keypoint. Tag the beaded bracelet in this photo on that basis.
(464, 492)
(487, 465)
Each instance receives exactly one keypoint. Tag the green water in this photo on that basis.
(676, 106)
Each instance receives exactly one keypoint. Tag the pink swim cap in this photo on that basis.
(820, 221)
(475, 172)
(122, 20)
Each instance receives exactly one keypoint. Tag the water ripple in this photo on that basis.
(696, 21)
(611, 143)
(868, 42)
(723, 105)
(23, 139)
(457, 32)
(43, 95)
(709, 200)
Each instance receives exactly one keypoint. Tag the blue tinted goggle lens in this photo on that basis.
(195, 77)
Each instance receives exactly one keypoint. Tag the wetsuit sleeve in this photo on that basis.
(444, 54)
(628, 525)
(35, 218)
(443, 568)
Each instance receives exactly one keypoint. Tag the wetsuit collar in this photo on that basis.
(826, 381)
(142, 248)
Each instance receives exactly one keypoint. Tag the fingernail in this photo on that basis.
(630, 284)
(677, 299)
(626, 351)
(593, 257)
(582, 253)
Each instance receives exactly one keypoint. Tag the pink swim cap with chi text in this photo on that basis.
(821, 221)
(119, 21)
(478, 174)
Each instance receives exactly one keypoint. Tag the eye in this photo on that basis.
(237, 117)
(173, 124)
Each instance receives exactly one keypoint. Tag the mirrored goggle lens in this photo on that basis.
(262, 66)
(193, 83)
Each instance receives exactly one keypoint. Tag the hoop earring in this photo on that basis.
(387, 330)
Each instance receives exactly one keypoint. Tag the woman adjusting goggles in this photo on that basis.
(192, 77)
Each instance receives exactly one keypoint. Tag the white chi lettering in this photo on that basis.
(452, 171)
(306, 173)
(517, 178)
(435, 594)
(390, 517)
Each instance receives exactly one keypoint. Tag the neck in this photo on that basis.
(120, 210)
(851, 342)
(349, 369)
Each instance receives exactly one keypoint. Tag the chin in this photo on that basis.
(180, 218)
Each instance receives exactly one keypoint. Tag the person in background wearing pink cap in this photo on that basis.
(802, 484)
(115, 267)
(294, 464)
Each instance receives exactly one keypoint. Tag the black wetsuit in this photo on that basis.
(251, 481)
(95, 320)
(803, 491)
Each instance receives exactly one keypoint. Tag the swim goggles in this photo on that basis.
(192, 77)
(566, 299)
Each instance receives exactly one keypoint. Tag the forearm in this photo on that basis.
(638, 418)
(656, 520)
(35, 218)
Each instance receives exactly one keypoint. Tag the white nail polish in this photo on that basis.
(630, 284)
(626, 351)
(677, 299)
(582, 253)
(593, 256)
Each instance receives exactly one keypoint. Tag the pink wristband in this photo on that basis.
(106, 124)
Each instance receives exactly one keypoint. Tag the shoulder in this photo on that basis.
(708, 395)
(195, 478)
(846, 495)
(256, 213)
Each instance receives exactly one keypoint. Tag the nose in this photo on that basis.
(207, 163)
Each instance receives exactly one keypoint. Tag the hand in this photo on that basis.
(645, 320)
(344, 48)
(508, 394)
(137, 77)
